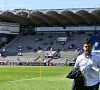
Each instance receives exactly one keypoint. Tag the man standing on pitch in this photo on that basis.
(89, 63)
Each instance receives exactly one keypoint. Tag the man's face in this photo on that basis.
(87, 49)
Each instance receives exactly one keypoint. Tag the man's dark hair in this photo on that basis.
(87, 41)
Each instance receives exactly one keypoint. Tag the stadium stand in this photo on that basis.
(55, 35)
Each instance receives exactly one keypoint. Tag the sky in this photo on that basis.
(47, 4)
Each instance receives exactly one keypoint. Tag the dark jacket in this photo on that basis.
(78, 83)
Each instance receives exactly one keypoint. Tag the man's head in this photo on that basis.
(87, 47)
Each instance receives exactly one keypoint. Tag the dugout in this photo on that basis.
(62, 40)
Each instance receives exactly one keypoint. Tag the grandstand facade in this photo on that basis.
(57, 33)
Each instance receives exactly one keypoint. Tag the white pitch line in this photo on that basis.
(20, 80)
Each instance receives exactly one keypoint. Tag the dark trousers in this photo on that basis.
(95, 87)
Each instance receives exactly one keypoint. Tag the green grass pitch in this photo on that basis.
(34, 78)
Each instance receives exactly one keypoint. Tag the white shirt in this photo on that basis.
(90, 67)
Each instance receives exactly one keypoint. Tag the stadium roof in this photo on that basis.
(53, 17)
